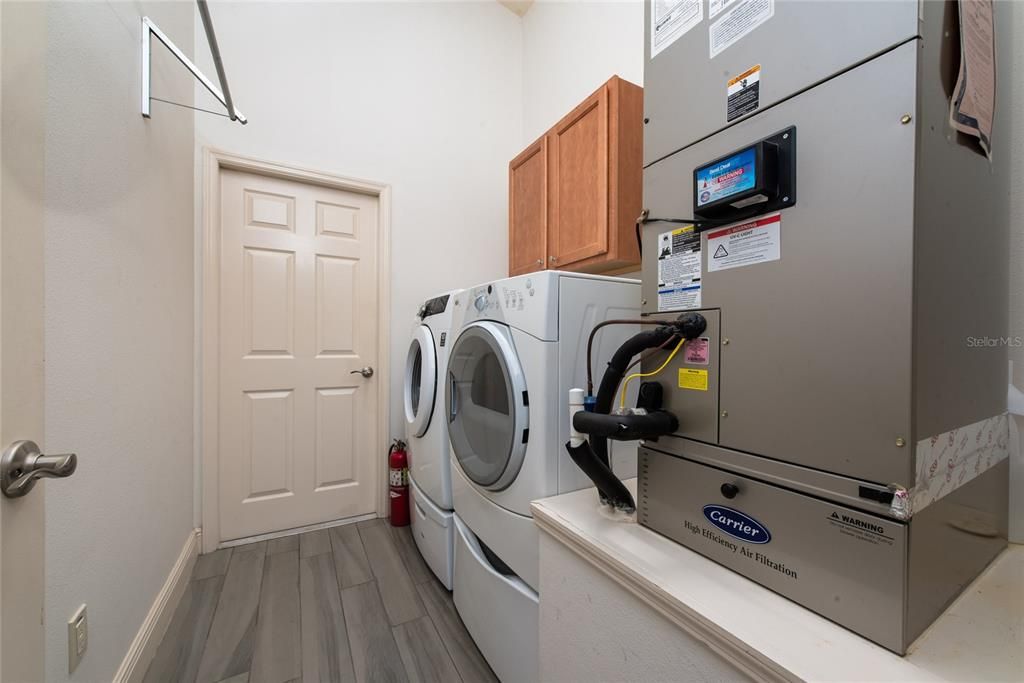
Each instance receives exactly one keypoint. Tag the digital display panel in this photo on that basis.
(727, 177)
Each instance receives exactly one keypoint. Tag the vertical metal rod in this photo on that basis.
(146, 54)
(211, 37)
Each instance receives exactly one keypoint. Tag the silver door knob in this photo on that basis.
(366, 372)
(22, 464)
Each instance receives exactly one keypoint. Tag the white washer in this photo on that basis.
(427, 435)
(521, 346)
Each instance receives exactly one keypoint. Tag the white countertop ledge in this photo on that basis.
(980, 637)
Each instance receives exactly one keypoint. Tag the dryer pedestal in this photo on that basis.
(433, 529)
(500, 612)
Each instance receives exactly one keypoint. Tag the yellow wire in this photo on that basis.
(625, 385)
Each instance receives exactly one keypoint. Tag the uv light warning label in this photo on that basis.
(679, 269)
(743, 93)
(746, 244)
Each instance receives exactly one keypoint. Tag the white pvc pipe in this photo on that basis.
(575, 406)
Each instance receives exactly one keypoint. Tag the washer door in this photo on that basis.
(488, 418)
(420, 381)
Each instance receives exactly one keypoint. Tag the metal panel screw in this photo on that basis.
(900, 442)
(905, 119)
(725, 413)
(725, 342)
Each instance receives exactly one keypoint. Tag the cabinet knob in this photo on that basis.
(540, 262)
(553, 259)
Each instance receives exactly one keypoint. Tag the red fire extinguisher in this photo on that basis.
(398, 469)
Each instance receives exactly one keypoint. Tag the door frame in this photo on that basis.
(208, 318)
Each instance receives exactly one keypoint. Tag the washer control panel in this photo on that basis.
(515, 297)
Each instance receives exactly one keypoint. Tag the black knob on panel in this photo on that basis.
(730, 490)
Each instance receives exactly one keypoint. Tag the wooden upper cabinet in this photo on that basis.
(590, 196)
(527, 209)
(579, 183)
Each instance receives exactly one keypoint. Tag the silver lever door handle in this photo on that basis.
(22, 464)
(366, 372)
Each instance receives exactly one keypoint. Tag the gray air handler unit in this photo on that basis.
(837, 429)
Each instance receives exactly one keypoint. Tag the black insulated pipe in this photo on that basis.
(613, 375)
(626, 427)
(612, 490)
(592, 457)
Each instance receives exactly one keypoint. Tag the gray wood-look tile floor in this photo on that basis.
(351, 603)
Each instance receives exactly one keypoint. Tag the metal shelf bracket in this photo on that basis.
(223, 94)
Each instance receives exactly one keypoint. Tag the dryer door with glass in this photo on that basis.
(420, 386)
(486, 401)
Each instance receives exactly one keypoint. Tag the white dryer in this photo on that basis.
(427, 435)
(521, 347)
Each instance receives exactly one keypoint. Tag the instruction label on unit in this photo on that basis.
(690, 378)
(737, 22)
(743, 93)
(716, 6)
(679, 269)
(697, 351)
(745, 244)
(671, 19)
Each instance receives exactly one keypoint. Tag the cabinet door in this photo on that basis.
(578, 183)
(528, 209)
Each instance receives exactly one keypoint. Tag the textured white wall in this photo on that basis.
(118, 324)
(571, 48)
(423, 96)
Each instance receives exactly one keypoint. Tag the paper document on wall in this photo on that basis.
(972, 107)
(671, 19)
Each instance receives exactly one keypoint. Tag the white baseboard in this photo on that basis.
(147, 640)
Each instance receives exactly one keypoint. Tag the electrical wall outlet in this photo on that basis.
(78, 637)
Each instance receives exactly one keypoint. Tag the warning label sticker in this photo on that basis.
(738, 21)
(745, 244)
(697, 351)
(671, 19)
(860, 529)
(679, 269)
(690, 378)
(743, 93)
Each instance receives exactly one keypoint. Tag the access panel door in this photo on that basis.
(815, 348)
(781, 47)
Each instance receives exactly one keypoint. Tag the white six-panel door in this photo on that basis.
(298, 320)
